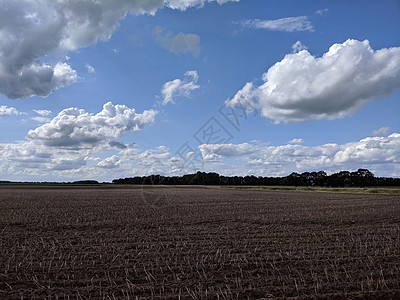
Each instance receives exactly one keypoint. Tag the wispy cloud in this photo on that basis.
(321, 11)
(180, 43)
(90, 69)
(298, 46)
(289, 24)
(185, 4)
(41, 119)
(176, 88)
(42, 112)
(296, 141)
(383, 131)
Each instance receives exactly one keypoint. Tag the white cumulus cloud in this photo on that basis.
(110, 162)
(7, 111)
(180, 87)
(379, 154)
(33, 29)
(216, 152)
(76, 128)
(302, 87)
(151, 161)
(29, 159)
(67, 145)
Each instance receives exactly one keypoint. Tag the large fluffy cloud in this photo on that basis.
(67, 145)
(32, 29)
(76, 128)
(303, 87)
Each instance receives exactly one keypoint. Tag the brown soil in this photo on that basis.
(196, 243)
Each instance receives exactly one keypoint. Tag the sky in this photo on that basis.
(112, 89)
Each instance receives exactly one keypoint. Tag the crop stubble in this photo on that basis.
(196, 243)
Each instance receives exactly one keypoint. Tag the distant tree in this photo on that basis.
(292, 179)
(250, 180)
(362, 177)
(340, 179)
(320, 178)
(86, 182)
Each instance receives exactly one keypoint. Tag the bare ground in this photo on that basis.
(197, 243)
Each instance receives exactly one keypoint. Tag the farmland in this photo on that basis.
(134, 242)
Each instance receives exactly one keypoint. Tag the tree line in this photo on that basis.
(359, 178)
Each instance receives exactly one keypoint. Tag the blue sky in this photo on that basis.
(110, 89)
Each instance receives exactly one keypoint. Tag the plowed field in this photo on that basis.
(196, 243)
